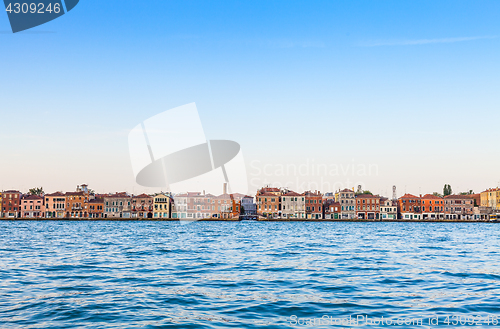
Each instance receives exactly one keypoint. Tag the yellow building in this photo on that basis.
(161, 206)
(484, 199)
(491, 198)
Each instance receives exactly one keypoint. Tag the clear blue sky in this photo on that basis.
(411, 87)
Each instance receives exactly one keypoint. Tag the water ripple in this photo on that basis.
(243, 275)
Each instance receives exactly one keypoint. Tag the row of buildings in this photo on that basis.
(269, 202)
(348, 204)
(84, 204)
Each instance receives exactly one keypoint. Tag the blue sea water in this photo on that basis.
(80, 274)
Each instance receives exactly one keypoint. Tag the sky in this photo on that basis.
(319, 94)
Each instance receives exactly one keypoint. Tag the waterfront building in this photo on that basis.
(249, 208)
(432, 206)
(55, 205)
(409, 207)
(96, 207)
(293, 205)
(117, 205)
(482, 213)
(142, 206)
(268, 204)
(32, 206)
(199, 205)
(11, 204)
(331, 209)
(77, 204)
(367, 206)
(388, 209)
(161, 205)
(314, 205)
(491, 198)
(179, 206)
(347, 201)
(226, 206)
(458, 207)
(221, 206)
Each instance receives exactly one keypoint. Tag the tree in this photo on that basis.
(437, 194)
(36, 191)
(447, 190)
(364, 192)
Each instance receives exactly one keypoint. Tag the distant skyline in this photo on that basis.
(407, 88)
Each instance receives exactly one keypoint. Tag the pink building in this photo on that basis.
(32, 206)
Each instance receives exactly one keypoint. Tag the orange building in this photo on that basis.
(77, 204)
(236, 208)
(268, 204)
(96, 207)
(368, 206)
(432, 207)
(409, 207)
(314, 205)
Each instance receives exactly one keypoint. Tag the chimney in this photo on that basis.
(224, 188)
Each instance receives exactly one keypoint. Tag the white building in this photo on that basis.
(293, 205)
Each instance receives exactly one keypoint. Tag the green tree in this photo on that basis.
(447, 190)
(36, 191)
(437, 194)
(364, 192)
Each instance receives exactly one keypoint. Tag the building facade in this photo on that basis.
(179, 206)
(161, 205)
(142, 206)
(388, 209)
(96, 207)
(77, 204)
(55, 205)
(117, 205)
(409, 207)
(314, 205)
(32, 206)
(347, 201)
(268, 205)
(491, 198)
(432, 207)
(199, 205)
(11, 204)
(331, 209)
(293, 205)
(249, 208)
(458, 207)
(367, 206)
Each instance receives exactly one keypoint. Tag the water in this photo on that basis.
(247, 274)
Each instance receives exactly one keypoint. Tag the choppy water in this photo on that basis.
(247, 274)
